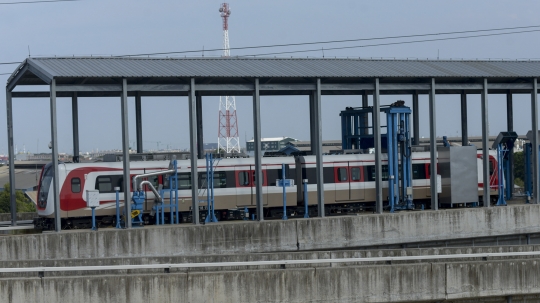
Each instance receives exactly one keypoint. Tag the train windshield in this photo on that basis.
(45, 185)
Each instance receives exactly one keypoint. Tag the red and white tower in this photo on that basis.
(228, 139)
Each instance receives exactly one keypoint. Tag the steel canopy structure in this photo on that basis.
(195, 78)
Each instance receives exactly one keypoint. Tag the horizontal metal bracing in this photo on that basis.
(262, 263)
(157, 90)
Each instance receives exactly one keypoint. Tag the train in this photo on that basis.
(349, 187)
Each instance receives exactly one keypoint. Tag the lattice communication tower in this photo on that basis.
(228, 139)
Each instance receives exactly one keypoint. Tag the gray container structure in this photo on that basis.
(458, 168)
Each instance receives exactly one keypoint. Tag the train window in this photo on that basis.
(491, 166)
(254, 179)
(419, 171)
(342, 174)
(280, 171)
(104, 184)
(243, 178)
(184, 181)
(220, 180)
(75, 185)
(355, 173)
(371, 173)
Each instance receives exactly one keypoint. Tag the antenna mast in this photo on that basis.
(228, 139)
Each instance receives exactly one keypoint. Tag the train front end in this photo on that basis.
(45, 198)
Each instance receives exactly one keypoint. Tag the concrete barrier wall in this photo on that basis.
(380, 283)
(272, 236)
(417, 226)
(254, 257)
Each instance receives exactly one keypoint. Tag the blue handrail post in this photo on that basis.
(211, 216)
(94, 218)
(306, 213)
(118, 224)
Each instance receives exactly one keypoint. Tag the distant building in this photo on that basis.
(269, 144)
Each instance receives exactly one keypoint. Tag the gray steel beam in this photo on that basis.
(318, 153)
(75, 124)
(11, 153)
(125, 153)
(364, 130)
(200, 138)
(485, 147)
(433, 147)
(138, 122)
(193, 153)
(534, 116)
(416, 119)
(510, 127)
(312, 133)
(464, 122)
(54, 141)
(257, 149)
(376, 118)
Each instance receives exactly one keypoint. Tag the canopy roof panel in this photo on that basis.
(42, 70)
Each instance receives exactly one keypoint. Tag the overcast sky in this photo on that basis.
(115, 27)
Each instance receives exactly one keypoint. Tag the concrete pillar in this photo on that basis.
(75, 124)
(193, 153)
(485, 147)
(54, 145)
(11, 153)
(257, 149)
(433, 147)
(125, 153)
(318, 153)
(138, 122)
(376, 118)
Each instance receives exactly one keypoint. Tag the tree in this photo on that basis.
(23, 203)
(519, 165)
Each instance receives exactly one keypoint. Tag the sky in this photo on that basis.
(120, 27)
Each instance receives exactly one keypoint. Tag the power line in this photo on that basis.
(392, 43)
(32, 2)
(335, 41)
(7, 63)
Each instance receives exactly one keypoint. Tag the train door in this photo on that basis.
(341, 181)
(349, 181)
(245, 186)
(356, 184)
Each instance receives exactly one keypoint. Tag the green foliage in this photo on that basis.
(519, 182)
(23, 203)
(519, 166)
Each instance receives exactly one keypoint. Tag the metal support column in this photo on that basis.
(257, 149)
(193, 151)
(510, 128)
(485, 147)
(11, 153)
(138, 122)
(318, 154)
(54, 143)
(416, 119)
(364, 130)
(534, 143)
(433, 147)
(75, 119)
(200, 139)
(312, 137)
(376, 118)
(464, 131)
(125, 153)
